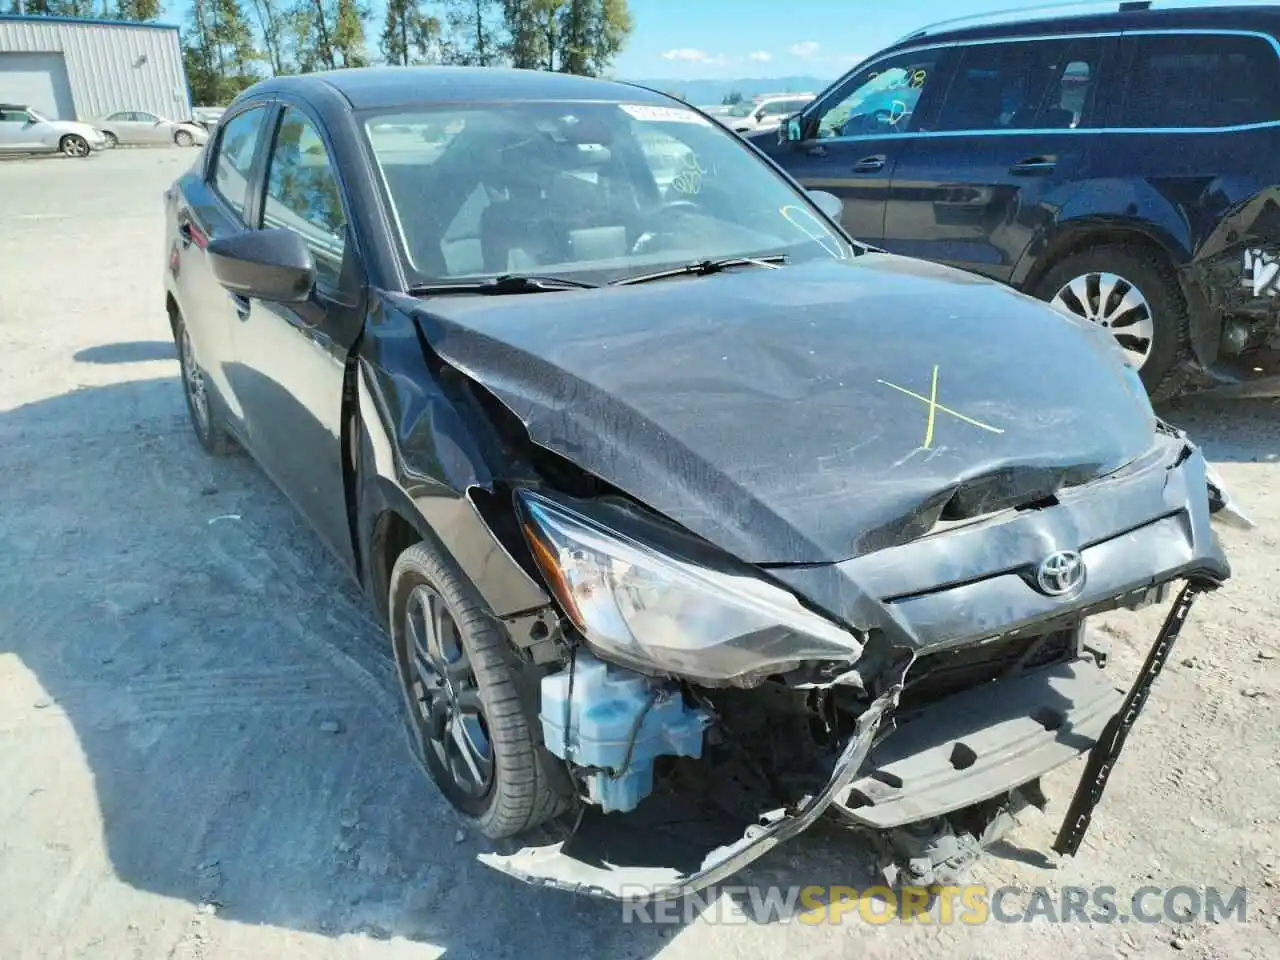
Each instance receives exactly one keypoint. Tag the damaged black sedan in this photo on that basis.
(690, 519)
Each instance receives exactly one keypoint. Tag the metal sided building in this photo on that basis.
(76, 69)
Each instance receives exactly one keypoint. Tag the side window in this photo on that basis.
(117, 117)
(1000, 86)
(13, 116)
(1199, 81)
(236, 148)
(880, 101)
(303, 194)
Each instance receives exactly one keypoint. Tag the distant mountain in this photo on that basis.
(710, 92)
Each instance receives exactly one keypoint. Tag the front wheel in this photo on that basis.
(466, 725)
(1134, 295)
(112, 140)
(183, 138)
(73, 145)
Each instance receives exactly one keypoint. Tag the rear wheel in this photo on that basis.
(195, 390)
(1132, 293)
(183, 138)
(466, 724)
(73, 145)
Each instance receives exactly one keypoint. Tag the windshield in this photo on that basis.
(741, 109)
(37, 116)
(593, 191)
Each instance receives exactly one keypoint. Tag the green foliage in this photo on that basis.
(140, 10)
(733, 98)
(409, 34)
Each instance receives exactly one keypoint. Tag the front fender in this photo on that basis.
(422, 467)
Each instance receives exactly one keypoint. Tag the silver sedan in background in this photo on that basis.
(140, 127)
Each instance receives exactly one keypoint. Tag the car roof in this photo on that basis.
(1069, 18)
(13, 106)
(375, 87)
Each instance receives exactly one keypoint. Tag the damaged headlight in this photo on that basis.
(658, 611)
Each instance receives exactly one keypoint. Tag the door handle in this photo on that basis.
(242, 305)
(870, 164)
(1034, 165)
(817, 150)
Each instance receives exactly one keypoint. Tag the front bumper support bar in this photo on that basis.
(1105, 753)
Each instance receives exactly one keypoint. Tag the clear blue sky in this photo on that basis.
(696, 39)
(690, 39)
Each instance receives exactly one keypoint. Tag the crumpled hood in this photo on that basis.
(807, 414)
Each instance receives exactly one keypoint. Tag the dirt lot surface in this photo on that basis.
(199, 748)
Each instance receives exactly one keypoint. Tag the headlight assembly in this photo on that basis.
(660, 612)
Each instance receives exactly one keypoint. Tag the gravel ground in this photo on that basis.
(199, 753)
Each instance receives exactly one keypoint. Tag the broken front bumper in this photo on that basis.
(960, 751)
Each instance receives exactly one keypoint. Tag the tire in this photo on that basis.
(183, 138)
(1151, 276)
(518, 793)
(112, 140)
(74, 145)
(201, 408)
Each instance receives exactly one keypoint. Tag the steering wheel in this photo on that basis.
(656, 228)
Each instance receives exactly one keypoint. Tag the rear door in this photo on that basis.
(291, 357)
(1007, 149)
(856, 132)
(213, 201)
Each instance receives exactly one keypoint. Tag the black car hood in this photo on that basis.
(785, 415)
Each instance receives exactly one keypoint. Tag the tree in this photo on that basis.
(140, 10)
(219, 51)
(348, 33)
(273, 25)
(572, 36)
(409, 34)
(732, 99)
(474, 35)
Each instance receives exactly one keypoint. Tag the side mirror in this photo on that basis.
(264, 265)
(793, 129)
(828, 203)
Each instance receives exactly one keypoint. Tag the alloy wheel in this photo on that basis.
(75, 147)
(183, 139)
(193, 383)
(1115, 303)
(111, 139)
(445, 697)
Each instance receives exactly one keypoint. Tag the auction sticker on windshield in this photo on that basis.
(652, 114)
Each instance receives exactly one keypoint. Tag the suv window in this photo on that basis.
(1200, 81)
(303, 194)
(14, 116)
(236, 147)
(1042, 84)
(878, 101)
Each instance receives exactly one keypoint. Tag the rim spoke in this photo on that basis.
(471, 746)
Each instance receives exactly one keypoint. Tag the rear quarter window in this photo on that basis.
(1199, 81)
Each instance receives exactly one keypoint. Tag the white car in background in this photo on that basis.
(140, 127)
(764, 113)
(24, 130)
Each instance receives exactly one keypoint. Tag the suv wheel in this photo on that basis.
(466, 724)
(1135, 296)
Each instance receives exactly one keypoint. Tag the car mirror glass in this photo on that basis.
(793, 130)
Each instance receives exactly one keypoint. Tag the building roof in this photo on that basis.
(368, 87)
(81, 21)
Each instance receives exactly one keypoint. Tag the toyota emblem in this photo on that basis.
(1060, 573)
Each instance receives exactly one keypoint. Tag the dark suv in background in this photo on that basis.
(1122, 163)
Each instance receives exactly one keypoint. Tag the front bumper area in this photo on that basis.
(604, 873)
(961, 750)
(978, 744)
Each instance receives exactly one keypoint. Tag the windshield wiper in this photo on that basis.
(702, 268)
(498, 286)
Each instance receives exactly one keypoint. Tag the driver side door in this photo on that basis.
(855, 133)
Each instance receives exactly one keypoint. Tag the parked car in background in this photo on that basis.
(688, 518)
(139, 128)
(24, 130)
(1122, 164)
(207, 117)
(763, 113)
